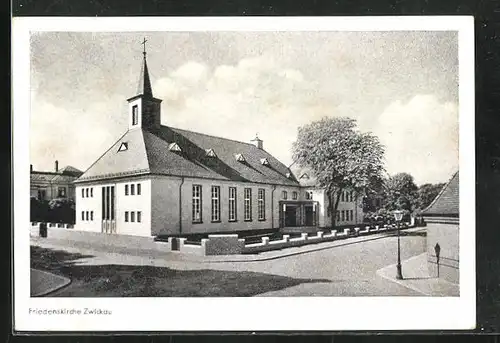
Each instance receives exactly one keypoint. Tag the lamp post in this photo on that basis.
(398, 215)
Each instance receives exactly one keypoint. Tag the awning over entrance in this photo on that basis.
(298, 213)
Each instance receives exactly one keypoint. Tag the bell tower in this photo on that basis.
(144, 110)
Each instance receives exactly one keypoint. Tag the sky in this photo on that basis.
(401, 86)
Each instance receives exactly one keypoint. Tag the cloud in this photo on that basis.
(255, 95)
(74, 137)
(421, 138)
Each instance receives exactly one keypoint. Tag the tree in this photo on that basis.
(400, 192)
(427, 192)
(39, 210)
(62, 210)
(340, 157)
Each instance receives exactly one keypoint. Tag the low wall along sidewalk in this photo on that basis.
(224, 244)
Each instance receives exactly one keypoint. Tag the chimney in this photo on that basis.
(257, 142)
(56, 167)
(31, 168)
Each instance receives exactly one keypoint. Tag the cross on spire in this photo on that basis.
(144, 46)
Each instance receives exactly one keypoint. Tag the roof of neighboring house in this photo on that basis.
(446, 202)
(64, 175)
(148, 152)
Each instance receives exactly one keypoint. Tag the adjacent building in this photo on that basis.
(160, 180)
(442, 218)
(48, 185)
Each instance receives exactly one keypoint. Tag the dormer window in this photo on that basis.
(288, 175)
(210, 153)
(123, 146)
(264, 161)
(135, 115)
(240, 158)
(174, 147)
(304, 176)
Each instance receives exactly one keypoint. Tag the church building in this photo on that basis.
(159, 180)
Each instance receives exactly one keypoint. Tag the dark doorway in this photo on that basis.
(290, 216)
(309, 216)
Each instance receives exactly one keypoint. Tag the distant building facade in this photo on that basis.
(48, 185)
(442, 218)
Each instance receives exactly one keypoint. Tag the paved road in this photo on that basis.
(351, 269)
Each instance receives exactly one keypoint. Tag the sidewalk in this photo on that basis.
(417, 278)
(42, 282)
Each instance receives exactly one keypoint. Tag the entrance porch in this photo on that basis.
(298, 214)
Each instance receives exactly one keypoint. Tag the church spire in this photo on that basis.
(144, 87)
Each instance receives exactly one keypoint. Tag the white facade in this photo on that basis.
(165, 206)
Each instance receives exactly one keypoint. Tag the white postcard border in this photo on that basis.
(246, 314)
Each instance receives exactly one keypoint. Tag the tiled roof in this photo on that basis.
(70, 170)
(149, 153)
(446, 202)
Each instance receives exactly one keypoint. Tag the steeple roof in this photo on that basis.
(144, 86)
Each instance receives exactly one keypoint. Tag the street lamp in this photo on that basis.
(398, 215)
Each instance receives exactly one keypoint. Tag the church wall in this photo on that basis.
(165, 205)
(271, 207)
(123, 203)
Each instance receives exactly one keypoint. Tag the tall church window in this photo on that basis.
(196, 203)
(135, 115)
(247, 204)
(215, 203)
(232, 204)
(261, 203)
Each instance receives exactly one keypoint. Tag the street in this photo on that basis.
(346, 270)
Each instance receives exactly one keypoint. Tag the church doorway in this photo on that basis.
(108, 210)
(309, 215)
(290, 216)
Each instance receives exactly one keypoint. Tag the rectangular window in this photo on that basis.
(86, 215)
(83, 215)
(261, 203)
(112, 203)
(342, 198)
(352, 215)
(138, 189)
(294, 195)
(86, 192)
(284, 194)
(342, 213)
(92, 192)
(83, 193)
(232, 204)
(132, 189)
(196, 204)
(126, 216)
(91, 215)
(135, 115)
(126, 189)
(215, 203)
(139, 215)
(247, 204)
(132, 216)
